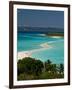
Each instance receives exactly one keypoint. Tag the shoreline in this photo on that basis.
(24, 54)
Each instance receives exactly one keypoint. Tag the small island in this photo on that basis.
(56, 34)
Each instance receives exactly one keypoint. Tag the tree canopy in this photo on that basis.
(29, 68)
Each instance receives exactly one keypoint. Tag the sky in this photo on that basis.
(40, 18)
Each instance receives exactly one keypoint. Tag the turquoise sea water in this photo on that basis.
(28, 41)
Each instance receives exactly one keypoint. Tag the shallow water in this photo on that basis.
(28, 41)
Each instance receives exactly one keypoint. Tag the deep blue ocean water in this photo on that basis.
(32, 41)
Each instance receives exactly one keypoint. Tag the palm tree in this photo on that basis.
(61, 68)
(48, 65)
(54, 68)
(48, 61)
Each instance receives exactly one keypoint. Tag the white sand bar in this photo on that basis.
(24, 54)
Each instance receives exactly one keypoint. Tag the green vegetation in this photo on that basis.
(30, 69)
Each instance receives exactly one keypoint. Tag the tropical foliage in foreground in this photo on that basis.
(30, 69)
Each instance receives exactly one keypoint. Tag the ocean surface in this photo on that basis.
(32, 41)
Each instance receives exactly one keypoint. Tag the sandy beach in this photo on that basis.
(24, 54)
(56, 36)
